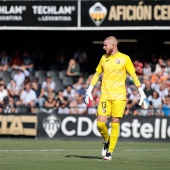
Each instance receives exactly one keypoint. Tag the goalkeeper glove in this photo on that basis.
(88, 94)
(143, 99)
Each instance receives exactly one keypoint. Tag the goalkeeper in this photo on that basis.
(113, 66)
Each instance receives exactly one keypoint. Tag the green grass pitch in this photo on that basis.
(30, 154)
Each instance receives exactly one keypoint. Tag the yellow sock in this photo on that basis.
(103, 130)
(113, 136)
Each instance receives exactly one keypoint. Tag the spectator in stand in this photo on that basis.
(73, 70)
(129, 107)
(81, 57)
(20, 76)
(63, 108)
(37, 88)
(143, 112)
(82, 108)
(13, 90)
(156, 100)
(148, 89)
(167, 68)
(153, 62)
(60, 98)
(50, 102)
(96, 95)
(163, 75)
(163, 91)
(5, 60)
(82, 91)
(16, 58)
(2, 82)
(145, 78)
(147, 70)
(138, 68)
(27, 80)
(166, 107)
(47, 86)
(160, 63)
(134, 96)
(69, 92)
(78, 84)
(49, 92)
(73, 107)
(27, 61)
(3, 94)
(9, 105)
(168, 86)
(92, 110)
(28, 98)
(128, 91)
(155, 85)
(156, 103)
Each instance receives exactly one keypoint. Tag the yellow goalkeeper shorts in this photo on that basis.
(113, 108)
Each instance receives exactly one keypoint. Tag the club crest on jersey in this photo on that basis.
(117, 61)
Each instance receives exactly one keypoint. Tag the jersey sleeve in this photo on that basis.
(96, 76)
(131, 70)
(99, 68)
(129, 65)
(95, 79)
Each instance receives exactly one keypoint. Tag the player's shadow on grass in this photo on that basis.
(84, 157)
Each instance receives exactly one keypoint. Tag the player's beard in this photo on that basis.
(108, 51)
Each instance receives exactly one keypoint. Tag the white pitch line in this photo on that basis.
(31, 150)
(144, 150)
(79, 150)
(44, 150)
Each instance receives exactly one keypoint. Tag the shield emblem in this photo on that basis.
(97, 13)
(51, 125)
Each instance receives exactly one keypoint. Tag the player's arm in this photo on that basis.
(88, 94)
(131, 70)
(143, 99)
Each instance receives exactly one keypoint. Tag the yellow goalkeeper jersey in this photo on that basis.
(114, 69)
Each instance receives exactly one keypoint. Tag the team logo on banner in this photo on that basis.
(97, 13)
(51, 125)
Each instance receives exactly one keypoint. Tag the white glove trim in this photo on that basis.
(143, 99)
(88, 94)
(90, 88)
(141, 92)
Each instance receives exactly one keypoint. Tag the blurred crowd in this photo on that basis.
(26, 88)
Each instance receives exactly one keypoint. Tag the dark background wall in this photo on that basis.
(51, 42)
